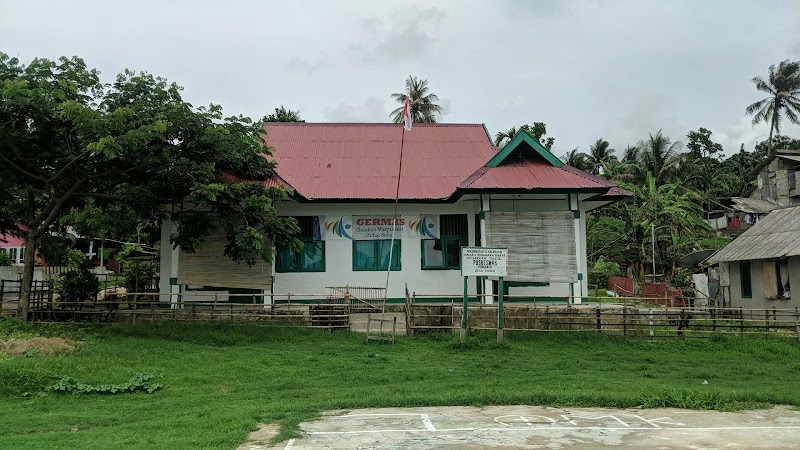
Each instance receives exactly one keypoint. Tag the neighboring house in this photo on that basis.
(777, 188)
(14, 247)
(757, 266)
(456, 190)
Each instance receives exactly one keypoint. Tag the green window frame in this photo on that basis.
(312, 256)
(745, 279)
(445, 253)
(373, 255)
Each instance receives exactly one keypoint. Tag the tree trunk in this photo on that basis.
(771, 151)
(27, 278)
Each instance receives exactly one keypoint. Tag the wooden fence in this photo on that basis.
(316, 311)
(425, 314)
(643, 320)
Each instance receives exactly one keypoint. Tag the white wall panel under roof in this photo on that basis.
(541, 245)
(210, 267)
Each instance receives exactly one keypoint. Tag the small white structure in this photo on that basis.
(455, 189)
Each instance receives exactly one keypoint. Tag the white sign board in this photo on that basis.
(484, 261)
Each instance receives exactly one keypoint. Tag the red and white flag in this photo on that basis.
(406, 116)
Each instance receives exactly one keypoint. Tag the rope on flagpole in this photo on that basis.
(394, 221)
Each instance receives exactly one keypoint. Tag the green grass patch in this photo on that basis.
(218, 380)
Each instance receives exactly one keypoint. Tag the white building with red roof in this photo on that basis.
(455, 189)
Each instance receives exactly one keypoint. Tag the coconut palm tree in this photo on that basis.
(659, 156)
(504, 136)
(575, 159)
(599, 156)
(783, 87)
(422, 105)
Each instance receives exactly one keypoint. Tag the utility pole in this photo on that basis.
(653, 241)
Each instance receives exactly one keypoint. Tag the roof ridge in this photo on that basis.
(382, 124)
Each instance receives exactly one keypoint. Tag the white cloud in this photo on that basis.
(370, 110)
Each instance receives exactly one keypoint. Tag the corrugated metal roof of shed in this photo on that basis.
(776, 236)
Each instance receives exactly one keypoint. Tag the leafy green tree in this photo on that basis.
(700, 144)
(537, 130)
(66, 138)
(779, 142)
(599, 156)
(783, 89)
(423, 105)
(283, 114)
(659, 156)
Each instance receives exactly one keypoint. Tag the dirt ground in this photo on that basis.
(47, 346)
(533, 427)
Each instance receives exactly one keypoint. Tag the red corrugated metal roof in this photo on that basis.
(360, 161)
(529, 174)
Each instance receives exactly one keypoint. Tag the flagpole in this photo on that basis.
(394, 219)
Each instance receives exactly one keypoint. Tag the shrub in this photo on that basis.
(5, 260)
(78, 284)
(602, 270)
(137, 274)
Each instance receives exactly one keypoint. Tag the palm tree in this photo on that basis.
(659, 156)
(783, 87)
(504, 136)
(599, 156)
(422, 105)
(575, 159)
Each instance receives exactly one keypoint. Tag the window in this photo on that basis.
(15, 254)
(374, 255)
(312, 257)
(744, 275)
(445, 253)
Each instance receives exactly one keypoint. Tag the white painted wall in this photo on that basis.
(757, 282)
(424, 282)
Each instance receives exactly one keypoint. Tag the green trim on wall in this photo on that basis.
(576, 214)
(524, 137)
(580, 276)
(173, 281)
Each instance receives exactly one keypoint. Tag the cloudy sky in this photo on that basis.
(614, 68)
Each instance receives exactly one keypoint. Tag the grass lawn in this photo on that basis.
(219, 380)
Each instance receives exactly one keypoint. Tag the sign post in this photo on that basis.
(483, 262)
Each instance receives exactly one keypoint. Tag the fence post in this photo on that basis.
(797, 322)
(624, 321)
(598, 319)
(741, 321)
(713, 319)
(650, 321)
(766, 323)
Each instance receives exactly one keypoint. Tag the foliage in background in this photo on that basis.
(537, 130)
(783, 89)
(422, 105)
(5, 259)
(78, 284)
(283, 114)
(137, 274)
(602, 271)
